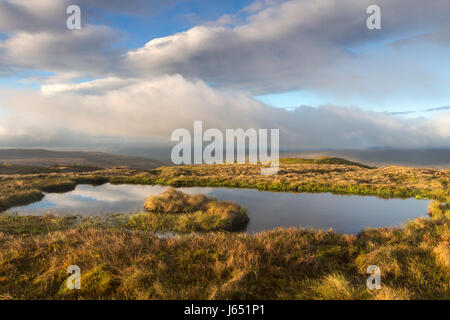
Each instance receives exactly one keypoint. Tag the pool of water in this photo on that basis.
(266, 210)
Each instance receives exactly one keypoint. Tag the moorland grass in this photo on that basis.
(33, 225)
(280, 264)
(120, 261)
(6, 169)
(387, 182)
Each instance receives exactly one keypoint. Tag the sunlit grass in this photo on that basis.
(279, 264)
(120, 259)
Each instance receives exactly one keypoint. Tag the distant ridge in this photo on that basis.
(45, 158)
(383, 157)
(323, 160)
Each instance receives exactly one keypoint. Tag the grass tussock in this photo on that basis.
(173, 201)
(174, 210)
(439, 209)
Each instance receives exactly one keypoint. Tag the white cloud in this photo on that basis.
(37, 37)
(150, 109)
(296, 45)
(280, 46)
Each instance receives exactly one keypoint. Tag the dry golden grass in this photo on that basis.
(173, 201)
(279, 264)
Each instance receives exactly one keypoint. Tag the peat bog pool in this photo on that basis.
(266, 210)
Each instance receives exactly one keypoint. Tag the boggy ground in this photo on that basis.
(296, 175)
(119, 261)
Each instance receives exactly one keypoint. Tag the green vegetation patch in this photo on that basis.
(33, 225)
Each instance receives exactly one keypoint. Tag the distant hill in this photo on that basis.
(46, 158)
(382, 157)
(322, 160)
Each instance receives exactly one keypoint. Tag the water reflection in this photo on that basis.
(267, 210)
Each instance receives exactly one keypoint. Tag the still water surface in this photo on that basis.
(266, 210)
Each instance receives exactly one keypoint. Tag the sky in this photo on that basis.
(139, 69)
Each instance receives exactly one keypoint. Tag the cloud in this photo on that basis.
(32, 15)
(50, 15)
(37, 36)
(134, 7)
(211, 71)
(296, 45)
(60, 51)
(151, 109)
(38, 39)
(90, 87)
(273, 46)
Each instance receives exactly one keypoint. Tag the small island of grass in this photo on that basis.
(176, 211)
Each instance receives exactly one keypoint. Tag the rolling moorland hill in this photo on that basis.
(435, 158)
(46, 158)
